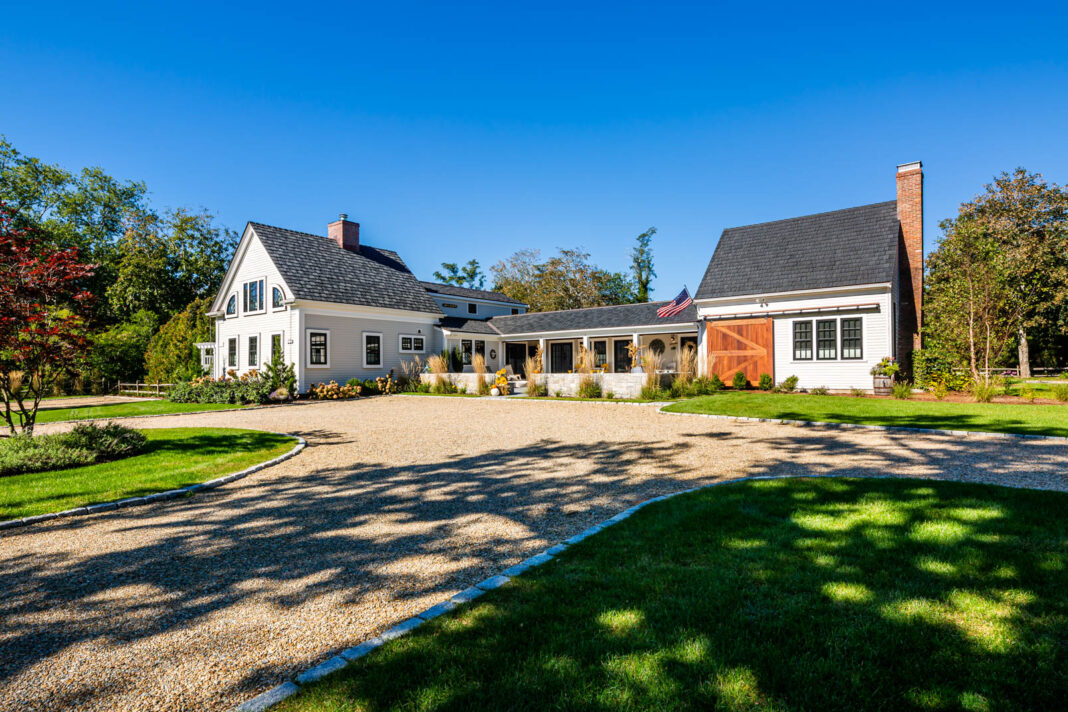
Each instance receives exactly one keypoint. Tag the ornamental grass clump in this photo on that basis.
(1060, 392)
(532, 367)
(902, 390)
(687, 366)
(983, 391)
(411, 370)
(478, 364)
(589, 387)
(651, 365)
(439, 366)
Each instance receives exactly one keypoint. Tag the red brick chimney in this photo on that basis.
(345, 233)
(910, 216)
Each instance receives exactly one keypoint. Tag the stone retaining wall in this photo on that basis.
(620, 385)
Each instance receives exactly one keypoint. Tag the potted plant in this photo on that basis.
(883, 376)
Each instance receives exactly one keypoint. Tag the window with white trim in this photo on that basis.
(372, 350)
(253, 351)
(278, 300)
(852, 338)
(252, 296)
(231, 353)
(231, 305)
(827, 340)
(465, 352)
(412, 344)
(318, 348)
(802, 340)
(276, 345)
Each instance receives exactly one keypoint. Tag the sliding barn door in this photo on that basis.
(740, 345)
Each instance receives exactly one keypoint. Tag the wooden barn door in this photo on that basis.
(740, 345)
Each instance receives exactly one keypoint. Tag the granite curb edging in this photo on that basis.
(897, 428)
(158, 496)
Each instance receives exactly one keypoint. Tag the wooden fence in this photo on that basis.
(143, 389)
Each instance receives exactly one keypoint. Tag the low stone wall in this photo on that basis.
(620, 385)
(467, 381)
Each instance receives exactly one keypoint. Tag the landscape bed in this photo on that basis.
(766, 595)
(172, 458)
(984, 417)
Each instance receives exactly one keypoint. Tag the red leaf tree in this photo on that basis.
(42, 330)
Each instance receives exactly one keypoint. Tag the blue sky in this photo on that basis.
(459, 130)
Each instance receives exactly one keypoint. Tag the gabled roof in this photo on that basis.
(452, 290)
(468, 326)
(315, 268)
(618, 316)
(835, 249)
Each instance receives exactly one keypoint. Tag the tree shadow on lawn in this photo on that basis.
(353, 529)
(988, 422)
(799, 594)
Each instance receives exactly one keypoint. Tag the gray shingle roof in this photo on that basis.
(835, 249)
(315, 268)
(469, 326)
(466, 292)
(621, 316)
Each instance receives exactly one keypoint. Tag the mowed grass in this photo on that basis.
(173, 458)
(986, 417)
(810, 594)
(126, 408)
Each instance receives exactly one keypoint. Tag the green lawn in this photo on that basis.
(125, 408)
(173, 458)
(814, 594)
(989, 417)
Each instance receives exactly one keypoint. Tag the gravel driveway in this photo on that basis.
(396, 504)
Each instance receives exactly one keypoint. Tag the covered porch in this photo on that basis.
(611, 351)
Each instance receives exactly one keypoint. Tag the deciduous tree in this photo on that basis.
(641, 257)
(468, 275)
(42, 325)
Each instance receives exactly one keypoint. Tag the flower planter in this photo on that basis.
(882, 385)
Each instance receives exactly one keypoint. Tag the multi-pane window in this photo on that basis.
(802, 340)
(480, 348)
(276, 345)
(852, 341)
(372, 350)
(412, 344)
(600, 353)
(253, 351)
(231, 353)
(317, 345)
(231, 305)
(827, 339)
(465, 352)
(252, 296)
(277, 298)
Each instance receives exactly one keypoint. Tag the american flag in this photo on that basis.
(676, 305)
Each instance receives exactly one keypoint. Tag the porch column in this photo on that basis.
(586, 342)
(544, 356)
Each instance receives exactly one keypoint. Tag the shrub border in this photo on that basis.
(159, 496)
(287, 689)
(897, 428)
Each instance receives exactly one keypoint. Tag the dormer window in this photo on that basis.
(472, 308)
(231, 306)
(277, 298)
(252, 297)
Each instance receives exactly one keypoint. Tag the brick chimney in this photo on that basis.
(345, 233)
(910, 248)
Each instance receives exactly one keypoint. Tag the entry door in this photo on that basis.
(740, 345)
(622, 356)
(515, 356)
(560, 358)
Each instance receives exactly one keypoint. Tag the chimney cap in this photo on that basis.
(912, 166)
(342, 216)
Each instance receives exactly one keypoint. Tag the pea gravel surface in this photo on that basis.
(397, 503)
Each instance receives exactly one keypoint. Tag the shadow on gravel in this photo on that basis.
(308, 528)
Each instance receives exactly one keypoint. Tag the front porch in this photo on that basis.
(611, 352)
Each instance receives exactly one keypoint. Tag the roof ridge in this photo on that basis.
(321, 237)
(810, 215)
(599, 306)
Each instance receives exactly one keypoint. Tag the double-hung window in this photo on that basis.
(372, 350)
(411, 344)
(827, 340)
(465, 352)
(852, 339)
(318, 348)
(231, 353)
(252, 296)
(802, 341)
(253, 351)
